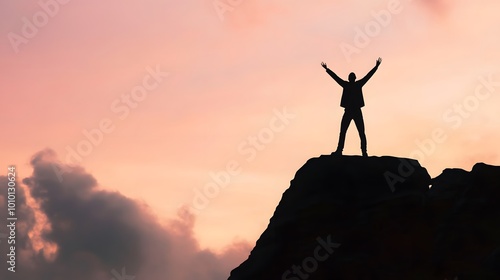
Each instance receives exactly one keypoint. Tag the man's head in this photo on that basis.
(352, 77)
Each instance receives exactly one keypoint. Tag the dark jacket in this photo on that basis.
(352, 95)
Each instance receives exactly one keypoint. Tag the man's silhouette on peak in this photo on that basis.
(352, 101)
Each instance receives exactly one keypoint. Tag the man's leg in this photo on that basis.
(360, 125)
(344, 124)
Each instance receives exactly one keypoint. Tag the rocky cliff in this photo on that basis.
(351, 217)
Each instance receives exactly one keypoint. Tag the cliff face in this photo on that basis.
(351, 217)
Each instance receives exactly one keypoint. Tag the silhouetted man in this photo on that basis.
(352, 101)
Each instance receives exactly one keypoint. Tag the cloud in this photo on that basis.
(101, 235)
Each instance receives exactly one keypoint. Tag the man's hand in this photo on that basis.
(324, 65)
(379, 60)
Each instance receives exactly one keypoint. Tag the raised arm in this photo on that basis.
(370, 74)
(333, 75)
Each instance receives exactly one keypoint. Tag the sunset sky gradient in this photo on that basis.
(228, 76)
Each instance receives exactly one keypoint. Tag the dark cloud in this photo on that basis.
(99, 233)
(25, 224)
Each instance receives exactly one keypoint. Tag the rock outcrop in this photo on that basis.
(354, 217)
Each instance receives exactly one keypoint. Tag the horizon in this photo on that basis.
(162, 101)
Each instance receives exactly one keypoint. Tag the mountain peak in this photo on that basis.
(353, 217)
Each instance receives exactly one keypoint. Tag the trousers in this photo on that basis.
(349, 115)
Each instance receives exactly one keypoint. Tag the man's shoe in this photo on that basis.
(337, 153)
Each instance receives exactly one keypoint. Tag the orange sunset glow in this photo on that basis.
(199, 113)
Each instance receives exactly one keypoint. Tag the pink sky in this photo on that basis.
(226, 80)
